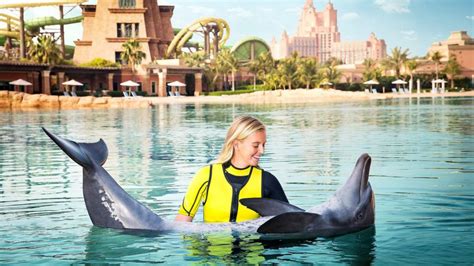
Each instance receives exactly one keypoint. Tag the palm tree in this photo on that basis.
(44, 50)
(196, 59)
(266, 64)
(132, 54)
(397, 60)
(411, 66)
(330, 72)
(274, 79)
(436, 58)
(371, 70)
(452, 69)
(221, 64)
(254, 68)
(287, 68)
(308, 71)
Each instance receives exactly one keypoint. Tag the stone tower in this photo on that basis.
(110, 23)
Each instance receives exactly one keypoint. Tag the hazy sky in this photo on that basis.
(412, 24)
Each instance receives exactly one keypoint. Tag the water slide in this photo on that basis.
(33, 25)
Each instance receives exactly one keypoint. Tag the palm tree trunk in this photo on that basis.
(233, 81)
(255, 82)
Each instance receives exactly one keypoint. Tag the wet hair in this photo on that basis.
(240, 129)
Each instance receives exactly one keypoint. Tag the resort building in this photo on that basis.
(318, 36)
(460, 46)
(149, 24)
(107, 25)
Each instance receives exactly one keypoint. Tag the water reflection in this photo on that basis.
(222, 248)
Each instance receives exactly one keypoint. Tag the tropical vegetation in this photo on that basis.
(44, 50)
(132, 54)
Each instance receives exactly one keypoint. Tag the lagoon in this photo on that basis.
(422, 173)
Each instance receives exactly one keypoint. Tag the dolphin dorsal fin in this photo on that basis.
(289, 223)
(269, 207)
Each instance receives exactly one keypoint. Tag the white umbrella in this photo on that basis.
(399, 81)
(72, 82)
(20, 82)
(129, 83)
(176, 84)
(371, 82)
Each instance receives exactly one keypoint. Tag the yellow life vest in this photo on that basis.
(221, 197)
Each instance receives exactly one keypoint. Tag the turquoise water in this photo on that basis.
(422, 174)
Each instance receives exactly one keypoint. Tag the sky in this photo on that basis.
(412, 24)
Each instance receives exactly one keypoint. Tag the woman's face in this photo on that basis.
(247, 152)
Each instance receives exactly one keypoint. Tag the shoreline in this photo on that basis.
(19, 100)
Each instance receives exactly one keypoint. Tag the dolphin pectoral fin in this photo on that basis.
(269, 207)
(77, 151)
(290, 223)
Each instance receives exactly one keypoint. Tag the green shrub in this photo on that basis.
(99, 62)
(115, 93)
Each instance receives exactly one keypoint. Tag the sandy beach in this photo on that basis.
(19, 100)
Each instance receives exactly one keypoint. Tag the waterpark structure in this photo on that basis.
(119, 21)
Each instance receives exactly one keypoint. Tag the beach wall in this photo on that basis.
(12, 99)
(20, 100)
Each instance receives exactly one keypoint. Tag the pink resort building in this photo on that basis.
(458, 45)
(318, 36)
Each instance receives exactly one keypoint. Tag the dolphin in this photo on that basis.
(350, 209)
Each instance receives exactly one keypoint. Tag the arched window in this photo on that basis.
(126, 3)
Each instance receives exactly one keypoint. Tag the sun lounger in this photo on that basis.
(400, 90)
(170, 93)
(394, 90)
(134, 94)
(366, 90)
(374, 91)
(66, 93)
(73, 94)
(125, 94)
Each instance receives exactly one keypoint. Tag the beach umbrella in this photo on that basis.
(371, 82)
(129, 84)
(176, 84)
(20, 82)
(72, 83)
(399, 82)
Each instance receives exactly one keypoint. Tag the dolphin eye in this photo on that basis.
(359, 216)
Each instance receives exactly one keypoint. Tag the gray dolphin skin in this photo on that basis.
(350, 209)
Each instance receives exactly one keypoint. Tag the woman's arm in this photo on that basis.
(193, 198)
(272, 188)
(183, 218)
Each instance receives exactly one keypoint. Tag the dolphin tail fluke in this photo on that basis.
(269, 207)
(81, 153)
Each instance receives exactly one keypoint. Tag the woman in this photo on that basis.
(233, 176)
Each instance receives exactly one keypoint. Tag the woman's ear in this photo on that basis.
(235, 144)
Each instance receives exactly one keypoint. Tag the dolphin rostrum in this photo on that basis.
(351, 208)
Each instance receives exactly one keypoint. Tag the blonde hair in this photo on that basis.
(240, 129)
